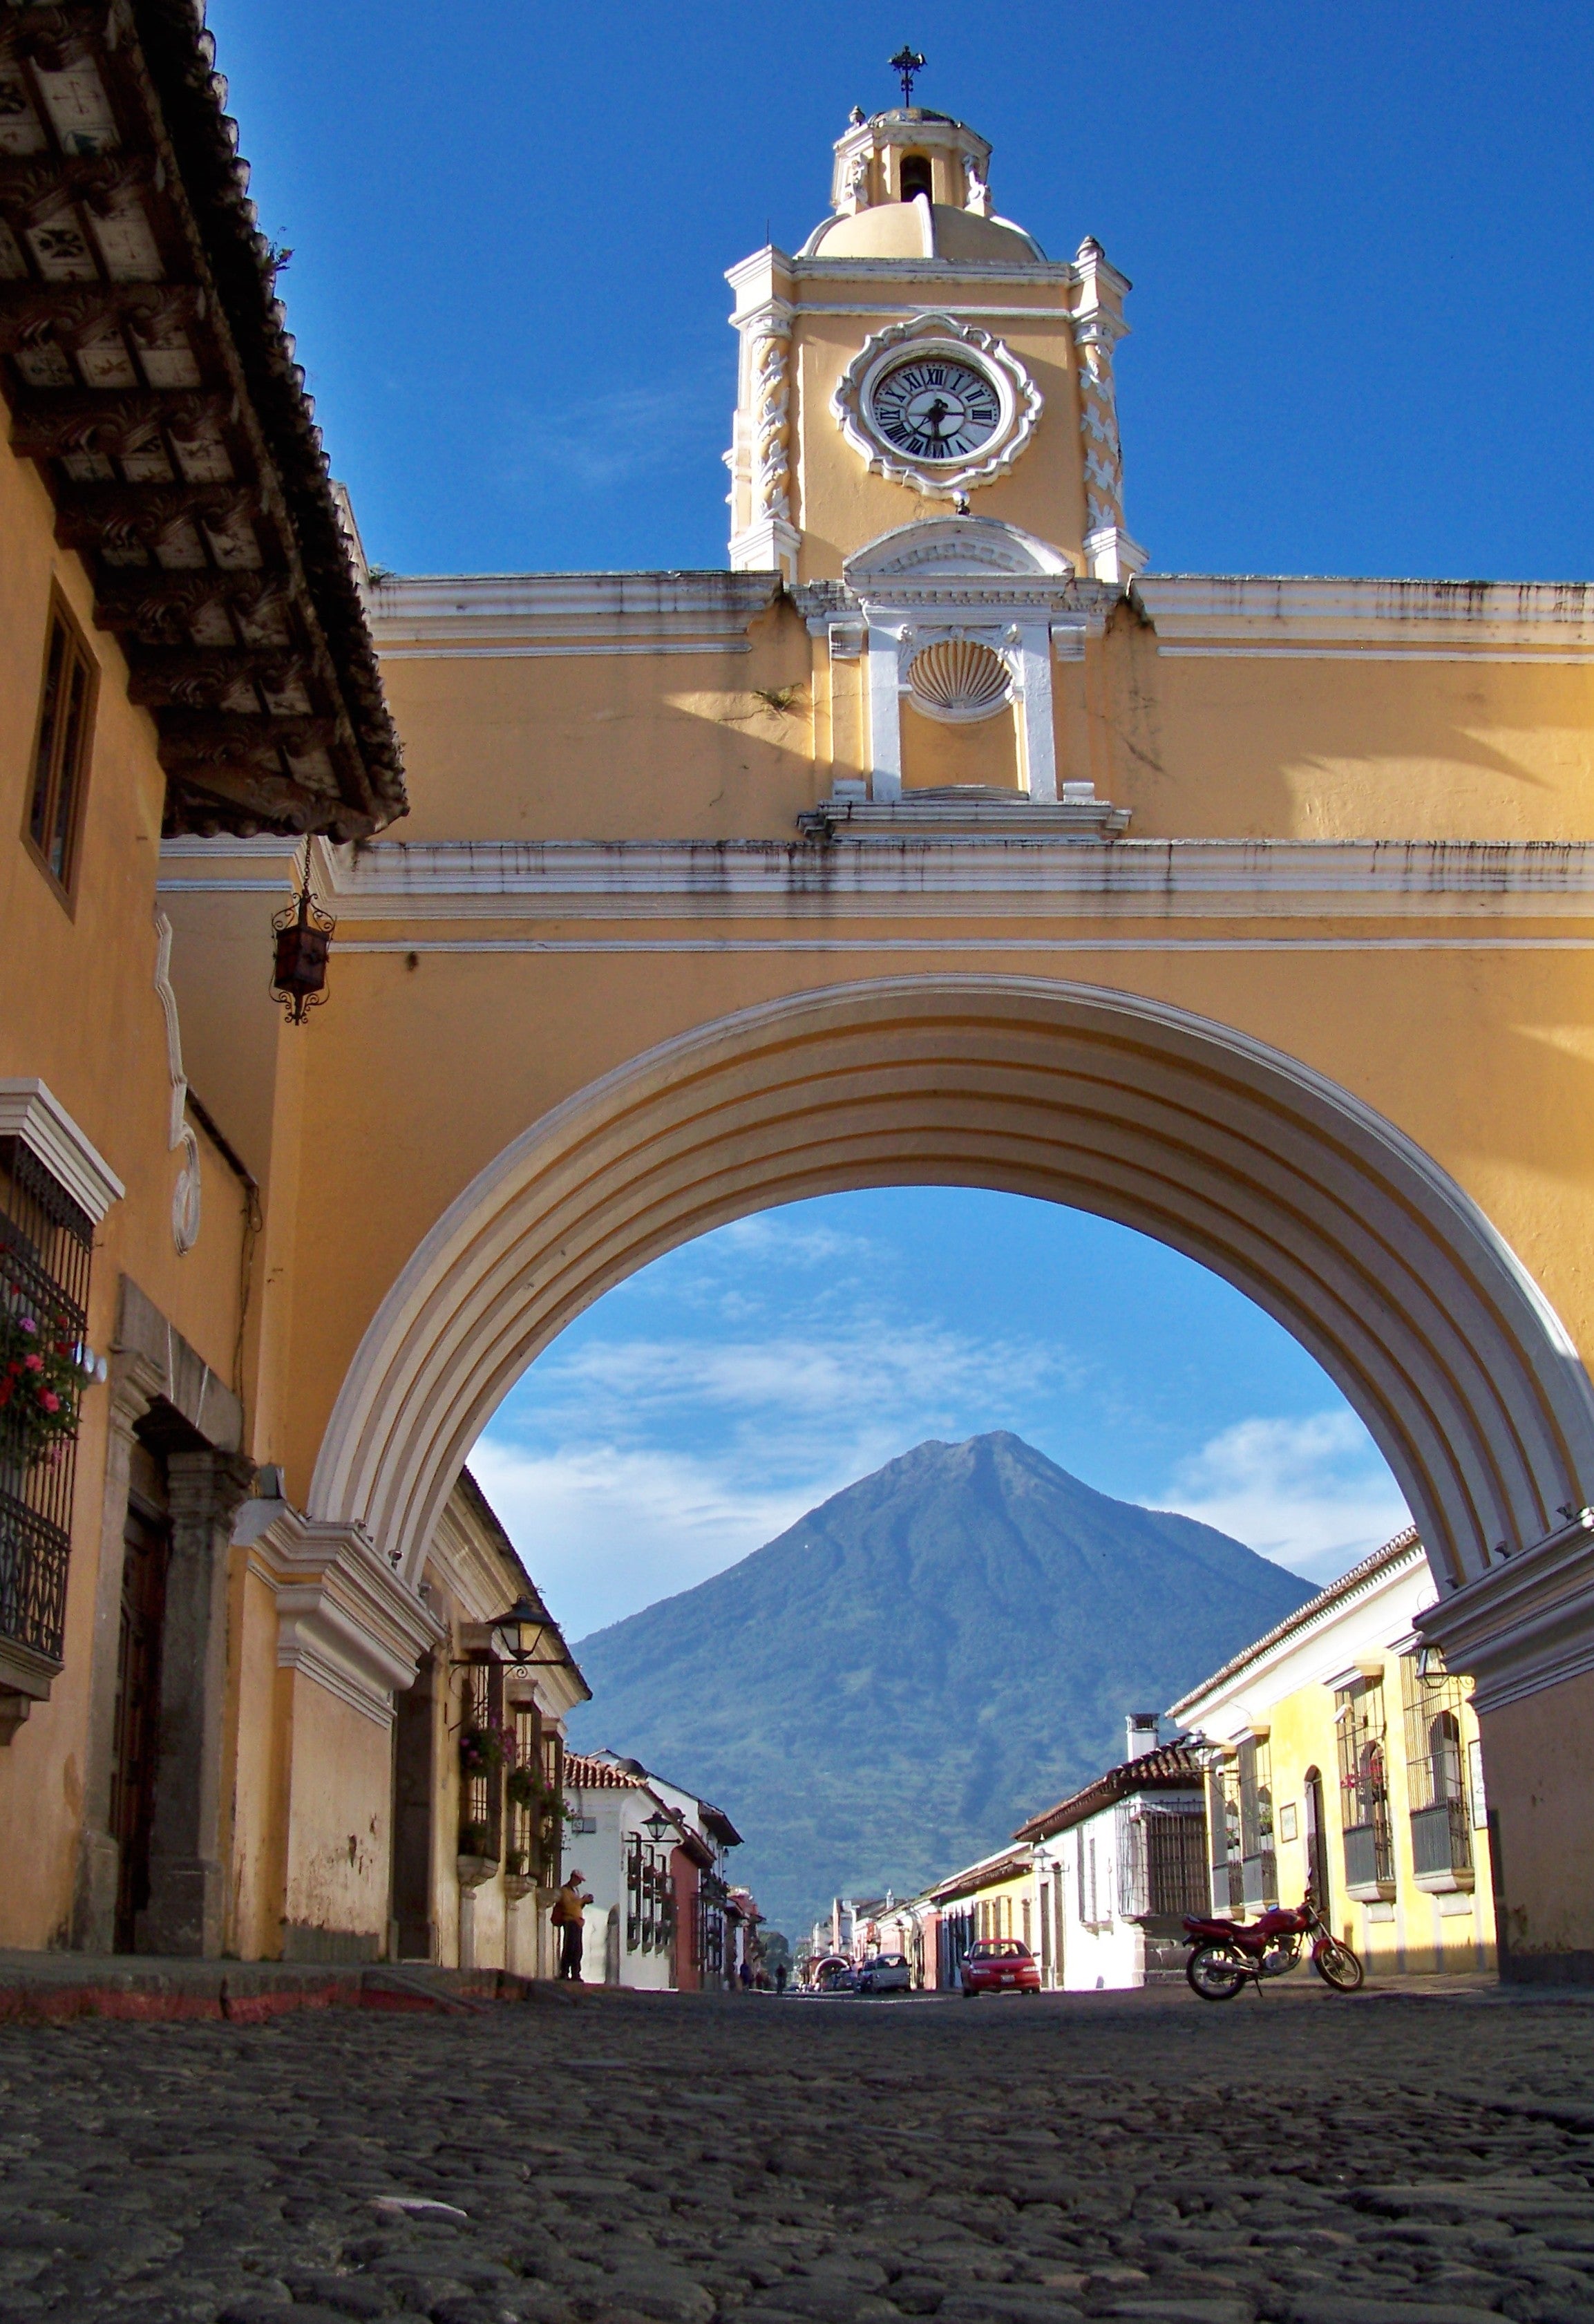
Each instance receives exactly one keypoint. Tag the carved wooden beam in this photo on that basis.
(51, 421)
(197, 678)
(79, 311)
(160, 606)
(215, 734)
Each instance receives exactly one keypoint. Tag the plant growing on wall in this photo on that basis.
(482, 1750)
(41, 1378)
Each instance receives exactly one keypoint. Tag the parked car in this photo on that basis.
(885, 1973)
(1000, 1965)
(834, 1974)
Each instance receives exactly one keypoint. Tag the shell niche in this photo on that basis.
(958, 677)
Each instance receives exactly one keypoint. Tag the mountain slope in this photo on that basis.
(887, 1689)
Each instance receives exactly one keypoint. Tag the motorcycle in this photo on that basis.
(1225, 1954)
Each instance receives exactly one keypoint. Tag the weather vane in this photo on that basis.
(908, 64)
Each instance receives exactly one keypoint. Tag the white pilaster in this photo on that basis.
(1035, 707)
(885, 716)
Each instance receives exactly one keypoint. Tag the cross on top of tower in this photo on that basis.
(908, 64)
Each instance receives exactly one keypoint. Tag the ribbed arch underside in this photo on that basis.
(1319, 1210)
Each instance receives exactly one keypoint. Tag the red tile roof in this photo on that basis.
(1169, 1768)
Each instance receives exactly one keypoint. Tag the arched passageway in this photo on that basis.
(1243, 1159)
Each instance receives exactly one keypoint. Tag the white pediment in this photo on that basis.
(955, 547)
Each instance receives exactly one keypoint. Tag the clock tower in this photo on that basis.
(919, 352)
(926, 451)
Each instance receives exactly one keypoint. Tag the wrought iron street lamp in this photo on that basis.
(657, 1825)
(303, 934)
(519, 1632)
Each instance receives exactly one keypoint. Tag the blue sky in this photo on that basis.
(1361, 319)
(1359, 237)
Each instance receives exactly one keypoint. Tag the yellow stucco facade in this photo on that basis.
(935, 840)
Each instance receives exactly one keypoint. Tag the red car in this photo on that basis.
(1001, 1965)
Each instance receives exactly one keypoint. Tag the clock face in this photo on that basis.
(936, 407)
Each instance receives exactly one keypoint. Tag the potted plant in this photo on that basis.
(480, 1750)
(42, 1374)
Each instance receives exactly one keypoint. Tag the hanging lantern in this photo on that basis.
(303, 934)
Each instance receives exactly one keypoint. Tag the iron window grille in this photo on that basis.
(1366, 1822)
(1223, 1816)
(481, 1790)
(1162, 1867)
(1259, 1860)
(1436, 1769)
(46, 1247)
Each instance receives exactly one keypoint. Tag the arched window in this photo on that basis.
(1444, 1755)
(915, 177)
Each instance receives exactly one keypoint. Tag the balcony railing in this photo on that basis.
(1442, 1845)
(1369, 1861)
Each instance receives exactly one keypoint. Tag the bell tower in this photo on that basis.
(920, 351)
(927, 450)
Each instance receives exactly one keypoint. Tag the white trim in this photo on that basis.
(1210, 616)
(187, 1194)
(29, 1110)
(947, 945)
(344, 1618)
(1524, 1625)
(564, 650)
(903, 874)
(1019, 400)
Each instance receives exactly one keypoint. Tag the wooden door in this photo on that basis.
(146, 1543)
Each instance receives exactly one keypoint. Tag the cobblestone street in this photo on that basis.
(620, 2158)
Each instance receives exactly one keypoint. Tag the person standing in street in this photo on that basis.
(569, 1917)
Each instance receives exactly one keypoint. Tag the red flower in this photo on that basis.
(50, 1400)
(32, 1363)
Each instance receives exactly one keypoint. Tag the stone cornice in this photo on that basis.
(493, 615)
(1525, 1625)
(31, 1111)
(894, 873)
(344, 1616)
(1212, 614)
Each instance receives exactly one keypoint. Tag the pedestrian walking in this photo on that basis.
(779, 1979)
(569, 1917)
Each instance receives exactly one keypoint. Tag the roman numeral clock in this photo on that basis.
(937, 404)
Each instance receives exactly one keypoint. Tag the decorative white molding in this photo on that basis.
(509, 616)
(187, 1195)
(29, 1110)
(1214, 614)
(1392, 1276)
(409, 882)
(931, 334)
(1525, 1625)
(344, 1618)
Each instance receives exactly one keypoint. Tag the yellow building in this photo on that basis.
(994, 1897)
(1347, 1756)
(937, 840)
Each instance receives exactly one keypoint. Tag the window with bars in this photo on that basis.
(1364, 1786)
(481, 1760)
(46, 1245)
(1436, 1767)
(1257, 1859)
(649, 1897)
(60, 749)
(1225, 1831)
(1162, 1869)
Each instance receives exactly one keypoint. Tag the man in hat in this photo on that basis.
(569, 1916)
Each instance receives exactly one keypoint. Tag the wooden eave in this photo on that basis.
(150, 376)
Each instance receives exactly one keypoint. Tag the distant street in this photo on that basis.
(1384, 2161)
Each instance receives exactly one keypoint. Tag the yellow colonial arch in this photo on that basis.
(1327, 1215)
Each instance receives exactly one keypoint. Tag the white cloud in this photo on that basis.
(1312, 1494)
(604, 1531)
